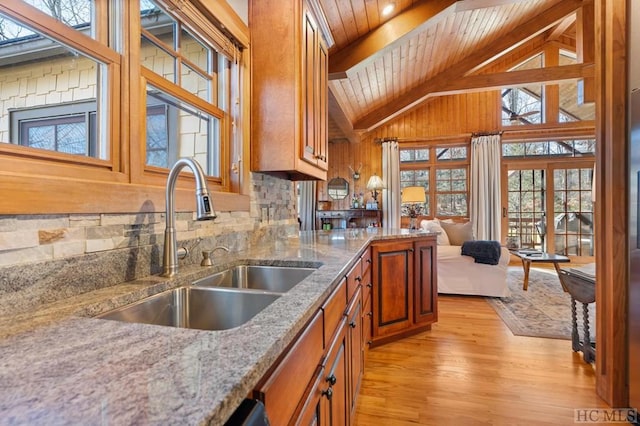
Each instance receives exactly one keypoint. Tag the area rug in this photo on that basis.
(544, 310)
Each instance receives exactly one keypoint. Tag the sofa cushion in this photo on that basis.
(434, 226)
(458, 233)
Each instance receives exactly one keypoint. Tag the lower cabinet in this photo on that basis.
(404, 294)
(328, 397)
(355, 358)
(389, 292)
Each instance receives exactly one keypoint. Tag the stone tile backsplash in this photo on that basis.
(47, 257)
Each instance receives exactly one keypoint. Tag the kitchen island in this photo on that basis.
(62, 366)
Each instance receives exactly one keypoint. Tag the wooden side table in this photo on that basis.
(539, 257)
(582, 288)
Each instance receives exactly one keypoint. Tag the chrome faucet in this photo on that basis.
(204, 211)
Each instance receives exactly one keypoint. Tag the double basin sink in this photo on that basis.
(220, 301)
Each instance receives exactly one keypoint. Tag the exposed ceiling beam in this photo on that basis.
(341, 120)
(515, 78)
(476, 60)
(562, 26)
(464, 5)
(423, 14)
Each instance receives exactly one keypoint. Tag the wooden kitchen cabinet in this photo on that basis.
(390, 291)
(289, 90)
(404, 294)
(355, 358)
(328, 398)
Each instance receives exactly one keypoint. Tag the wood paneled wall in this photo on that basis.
(442, 119)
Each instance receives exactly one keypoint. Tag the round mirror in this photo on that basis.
(338, 188)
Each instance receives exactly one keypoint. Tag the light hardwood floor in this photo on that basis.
(470, 370)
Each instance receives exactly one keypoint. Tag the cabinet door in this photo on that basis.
(336, 377)
(310, 87)
(284, 389)
(354, 348)
(392, 287)
(426, 288)
(313, 410)
(322, 116)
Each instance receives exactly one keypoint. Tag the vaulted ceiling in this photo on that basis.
(382, 66)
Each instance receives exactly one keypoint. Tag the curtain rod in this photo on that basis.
(477, 134)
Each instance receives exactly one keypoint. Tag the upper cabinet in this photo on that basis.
(289, 90)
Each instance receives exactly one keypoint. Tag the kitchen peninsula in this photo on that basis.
(60, 365)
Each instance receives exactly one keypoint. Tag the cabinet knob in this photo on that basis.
(328, 393)
(359, 278)
(411, 250)
(369, 342)
(332, 379)
(370, 285)
(370, 313)
(352, 324)
(368, 260)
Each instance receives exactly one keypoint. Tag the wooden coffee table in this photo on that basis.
(540, 257)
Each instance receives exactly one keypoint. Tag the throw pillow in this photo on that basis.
(434, 226)
(458, 233)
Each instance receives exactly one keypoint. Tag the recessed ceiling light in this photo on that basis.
(388, 9)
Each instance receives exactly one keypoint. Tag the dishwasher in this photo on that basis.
(251, 412)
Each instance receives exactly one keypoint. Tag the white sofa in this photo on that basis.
(458, 274)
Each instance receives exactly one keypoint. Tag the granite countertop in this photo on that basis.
(61, 366)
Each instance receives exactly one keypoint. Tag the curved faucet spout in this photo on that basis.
(204, 210)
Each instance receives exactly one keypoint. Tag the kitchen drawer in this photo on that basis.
(354, 279)
(333, 310)
(289, 381)
(366, 261)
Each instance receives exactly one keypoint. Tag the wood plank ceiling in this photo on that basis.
(382, 66)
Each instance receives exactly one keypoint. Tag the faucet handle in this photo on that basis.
(206, 258)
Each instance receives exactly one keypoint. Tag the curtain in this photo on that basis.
(486, 152)
(391, 191)
(307, 205)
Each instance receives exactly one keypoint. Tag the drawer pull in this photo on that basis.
(370, 285)
(328, 393)
(332, 379)
(370, 313)
(352, 324)
(368, 261)
(358, 278)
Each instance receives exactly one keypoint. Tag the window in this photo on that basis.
(191, 78)
(65, 101)
(66, 128)
(54, 97)
(559, 148)
(447, 168)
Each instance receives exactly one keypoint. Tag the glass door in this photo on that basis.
(525, 211)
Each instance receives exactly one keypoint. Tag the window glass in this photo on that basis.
(78, 14)
(414, 155)
(156, 58)
(416, 178)
(451, 192)
(522, 106)
(191, 66)
(568, 148)
(451, 154)
(573, 211)
(179, 129)
(50, 95)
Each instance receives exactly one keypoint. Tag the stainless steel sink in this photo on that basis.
(270, 278)
(199, 308)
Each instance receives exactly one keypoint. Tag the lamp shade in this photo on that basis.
(375, 182)
(414, 195)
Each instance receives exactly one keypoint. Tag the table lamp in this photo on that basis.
(413, 197)
(374, 184)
